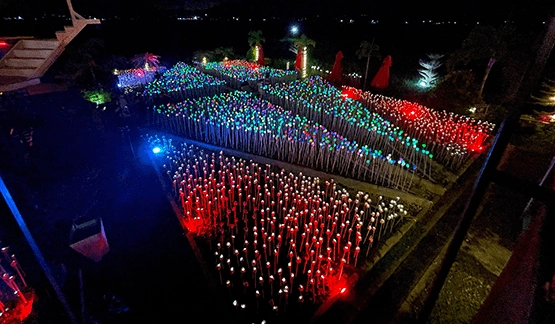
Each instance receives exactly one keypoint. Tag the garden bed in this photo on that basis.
(279, 244)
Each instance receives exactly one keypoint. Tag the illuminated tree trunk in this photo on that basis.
(92, 64)
(488, 69)
(368, 63)
(366, 74)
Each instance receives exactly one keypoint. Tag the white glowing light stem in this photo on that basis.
(305, 51)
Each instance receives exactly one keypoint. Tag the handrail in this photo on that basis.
(16, 37)
(488, 171)
(36, 251)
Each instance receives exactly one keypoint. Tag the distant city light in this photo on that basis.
(156, 150)
(294, 30)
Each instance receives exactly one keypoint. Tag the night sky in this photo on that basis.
(425, 9)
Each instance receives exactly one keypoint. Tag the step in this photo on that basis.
(40, 44)
(23, 62)
(69, 29)
(32, 53)
(61, 35)
(21, 72)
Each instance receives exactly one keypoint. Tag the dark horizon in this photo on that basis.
(293, 9)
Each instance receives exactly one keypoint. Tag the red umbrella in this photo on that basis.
(261, 59)
(336, 72)
(299, 60)
(381, 80)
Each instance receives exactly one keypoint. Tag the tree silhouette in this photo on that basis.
(368, 50)
(484, 43)
(215, 55)
(457, 92)
(80, 62)
(221, 53)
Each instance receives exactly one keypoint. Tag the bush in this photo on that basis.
(97, 96)
(535, 136)
(456, 93)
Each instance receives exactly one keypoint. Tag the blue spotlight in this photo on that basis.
(156, 150)
(294, 30)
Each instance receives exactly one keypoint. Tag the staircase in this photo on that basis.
(29, 59)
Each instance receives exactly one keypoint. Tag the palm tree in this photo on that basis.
(82, 61)
(302, 42)
(368, 50)
(484, 43)
(255, 39)
(146, 60)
